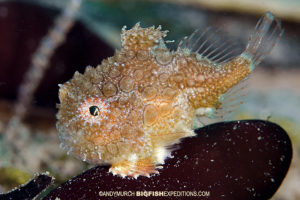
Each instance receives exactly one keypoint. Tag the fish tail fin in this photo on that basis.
(267, 32)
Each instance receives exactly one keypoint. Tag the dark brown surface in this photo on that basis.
(232, 160)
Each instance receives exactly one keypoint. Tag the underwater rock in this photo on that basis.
(229, 160)
(31, 189)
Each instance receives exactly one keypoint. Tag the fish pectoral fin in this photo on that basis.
(208, 112)
(224, 108)
(204, 116)
(141, 167)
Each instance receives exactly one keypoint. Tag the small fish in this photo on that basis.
(128, 110)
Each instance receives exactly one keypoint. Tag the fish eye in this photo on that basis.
(94, 110)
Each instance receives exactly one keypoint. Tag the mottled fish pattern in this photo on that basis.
(128, 110)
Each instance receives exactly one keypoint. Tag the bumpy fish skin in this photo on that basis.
(128, 110)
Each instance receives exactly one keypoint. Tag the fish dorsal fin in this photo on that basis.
(229, 103)
(212, 44)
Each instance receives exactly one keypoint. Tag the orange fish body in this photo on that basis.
(128, 110)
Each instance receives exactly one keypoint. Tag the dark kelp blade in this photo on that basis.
(29, 190)
(231, 160)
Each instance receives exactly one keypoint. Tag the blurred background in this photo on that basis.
(273, 88)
